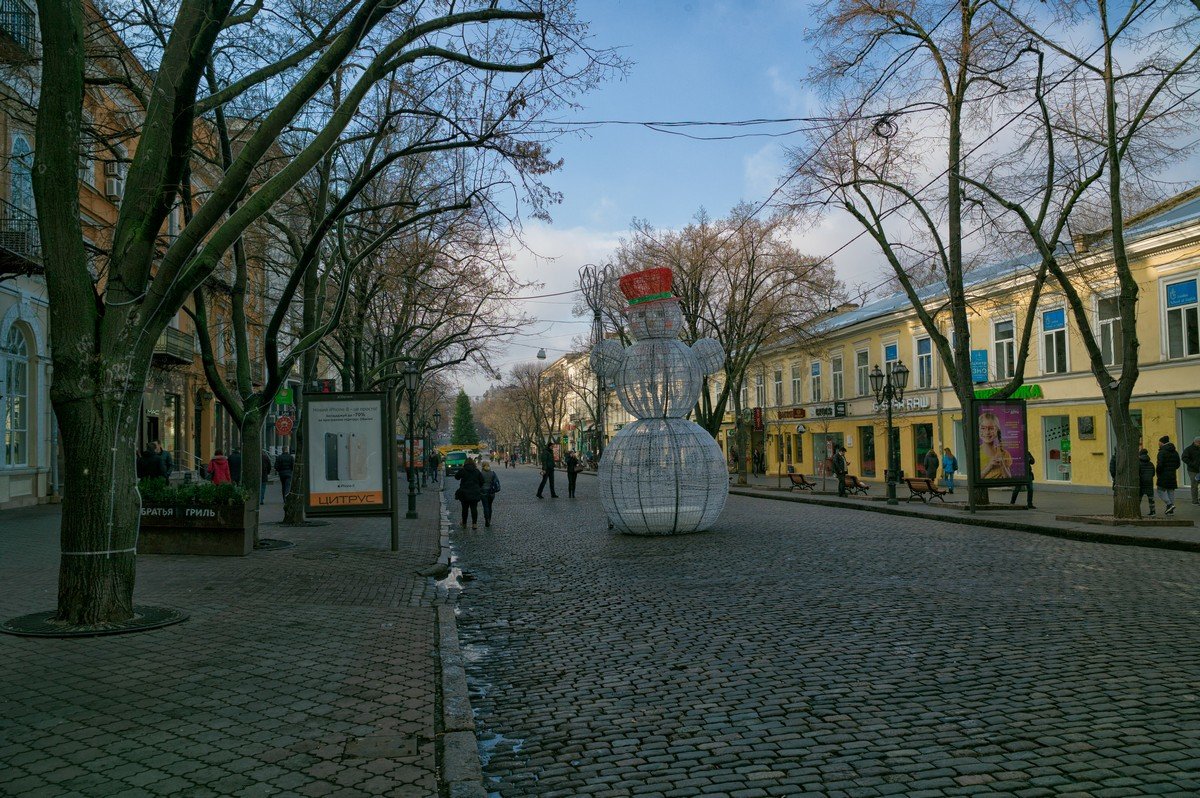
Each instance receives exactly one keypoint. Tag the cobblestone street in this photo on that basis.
(797, 650)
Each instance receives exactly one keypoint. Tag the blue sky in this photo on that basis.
(691, 61)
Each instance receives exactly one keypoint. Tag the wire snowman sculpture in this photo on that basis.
(662, 474)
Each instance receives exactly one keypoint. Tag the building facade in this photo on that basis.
(805, 398)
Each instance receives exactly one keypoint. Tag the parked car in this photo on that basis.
(455, 461)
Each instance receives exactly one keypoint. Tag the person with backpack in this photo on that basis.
(470, 491)
(949, 468)
(1166, 468)
(491, 486)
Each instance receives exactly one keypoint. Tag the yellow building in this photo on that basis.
(813, 395)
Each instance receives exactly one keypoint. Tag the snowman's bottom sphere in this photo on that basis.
(663, 476)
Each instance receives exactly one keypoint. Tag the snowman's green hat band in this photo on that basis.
(650, 298)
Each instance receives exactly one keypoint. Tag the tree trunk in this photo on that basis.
(1127, 500)
(100, 512)
(252, 476)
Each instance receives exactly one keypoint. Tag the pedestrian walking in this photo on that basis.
(949, 468)
(1191, 459)
(1027, 484)
(1166, 468)
(572, 472)
(435, 464)
(1146, 473)
(235, 465)
(930, 463)
(547, 463)
(491, 486)
(149, 464)
(168, 465)
(840, 469)
(285, 464)
(470, 491)
(262, 480)
(218, 468)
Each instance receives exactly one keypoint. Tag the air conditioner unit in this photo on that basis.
(112, 168)
(113, 188)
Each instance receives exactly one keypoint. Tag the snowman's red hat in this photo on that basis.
(650, 285)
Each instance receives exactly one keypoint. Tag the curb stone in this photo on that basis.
(970, 520)
(462, 770)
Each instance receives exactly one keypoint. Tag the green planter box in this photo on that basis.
(214, 530)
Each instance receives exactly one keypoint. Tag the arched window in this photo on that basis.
(20, 172)
(14, 398)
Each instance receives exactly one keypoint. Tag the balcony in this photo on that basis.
(175, 346)
(18, 31)
(20, 241)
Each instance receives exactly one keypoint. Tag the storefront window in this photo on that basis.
(1056, 435)
(922, 443)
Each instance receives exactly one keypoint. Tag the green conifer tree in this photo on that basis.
(464, 432)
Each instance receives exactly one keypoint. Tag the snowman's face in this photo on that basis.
(661, 319)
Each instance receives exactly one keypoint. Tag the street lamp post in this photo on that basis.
(889, 388)
(412, 378)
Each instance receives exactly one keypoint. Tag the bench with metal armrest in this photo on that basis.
(924, 488)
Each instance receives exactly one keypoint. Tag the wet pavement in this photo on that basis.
(799, 650)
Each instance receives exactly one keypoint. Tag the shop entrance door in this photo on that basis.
(1056, 437)
(922, 443)
(866, 451)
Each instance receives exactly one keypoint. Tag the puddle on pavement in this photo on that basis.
(491, 744)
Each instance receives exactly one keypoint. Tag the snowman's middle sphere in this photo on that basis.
(659, 378)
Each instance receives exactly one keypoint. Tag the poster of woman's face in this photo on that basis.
(1001, 426)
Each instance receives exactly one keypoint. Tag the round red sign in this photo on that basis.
(283, 425)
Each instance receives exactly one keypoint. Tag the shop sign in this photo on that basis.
(911, 403)
(758, 419)
(792, 412)
(979, 365)
(283, 426)
(286, 396)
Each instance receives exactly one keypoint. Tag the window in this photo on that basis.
(835, 371)
(14, 400)
(1183, 328)
(891, 356)
(779, 387)
(760, 391)
(745, 395)
(1110, 330)
(1054, 341)
(796, 380)
(1004, 341)
(20, 174)
(924, 363)
(862, 372)
(815, 384)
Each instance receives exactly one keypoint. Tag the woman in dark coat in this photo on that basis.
(470, 491)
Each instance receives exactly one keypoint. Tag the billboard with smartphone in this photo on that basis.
(347, 452)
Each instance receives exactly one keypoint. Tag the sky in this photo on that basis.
(691, 61)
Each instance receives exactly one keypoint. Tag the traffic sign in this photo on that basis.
(283, 425)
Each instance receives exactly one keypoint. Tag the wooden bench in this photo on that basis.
(923, 488)
(799, 481)
(856, 486)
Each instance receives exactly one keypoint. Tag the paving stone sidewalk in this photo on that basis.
(309, 671)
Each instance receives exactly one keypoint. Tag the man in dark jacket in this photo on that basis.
(547, 464)
(235, 466)
(1166, 468)
(840, 468)
(1191, 459)
(572, 472)
(168, 465)
(149, 465)
(285, 464)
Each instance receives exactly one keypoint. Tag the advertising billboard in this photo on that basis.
(347, 454)
(1002, 440)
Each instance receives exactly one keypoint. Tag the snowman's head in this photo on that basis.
(658, 319)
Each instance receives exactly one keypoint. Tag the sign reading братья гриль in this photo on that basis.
(345, 451)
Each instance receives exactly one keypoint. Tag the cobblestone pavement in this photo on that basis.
(797, 650)
(288, 658)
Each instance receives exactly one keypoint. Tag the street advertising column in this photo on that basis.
(1002, 441)
(348, 453)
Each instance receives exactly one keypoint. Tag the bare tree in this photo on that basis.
(103, 335)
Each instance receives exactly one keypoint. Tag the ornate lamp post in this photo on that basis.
(889, 388)
(412, 378)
